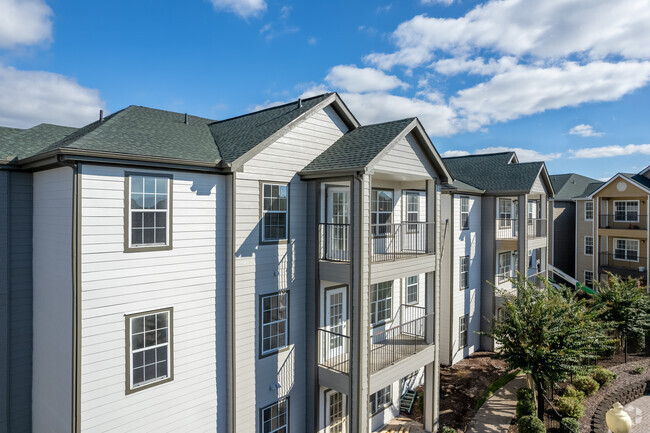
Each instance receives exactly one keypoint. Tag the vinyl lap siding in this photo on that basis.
(115, 283)
(406, 157)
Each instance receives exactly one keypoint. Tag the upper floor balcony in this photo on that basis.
(625, 263)
(631, 221)
(508, 228)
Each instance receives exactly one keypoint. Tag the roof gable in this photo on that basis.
(636, 180)
(21, 143)
(571, 185)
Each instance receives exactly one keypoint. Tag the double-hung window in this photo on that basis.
(464, 272)
(589, 245)
(382, 211)
(149, 342)
(275, 417)
(504, 266)
(626, 249)
(149, 208)
(462, 330)
(380, 400)
(381, 302)
(589, 279)
(275, 312)
(589, 211)
(275, 212)
(412, 211)
(626, 211)
(464, 213)
(412, 289)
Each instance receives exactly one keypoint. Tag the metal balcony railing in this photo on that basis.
(334, 241)
(536, 227)
(506, 228)
(623, 221)
(402, 240)
(334, 351)
(624, 263)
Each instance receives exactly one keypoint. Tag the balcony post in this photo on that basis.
(522, 239)
(430, 400)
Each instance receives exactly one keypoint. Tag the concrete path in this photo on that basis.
(498, 411)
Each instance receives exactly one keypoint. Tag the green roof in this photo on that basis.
(22, 143)
(493, 172)
(638, 179)
(571, 185)
(460, 186)
(357, 148)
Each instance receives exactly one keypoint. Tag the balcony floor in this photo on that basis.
(392, 350)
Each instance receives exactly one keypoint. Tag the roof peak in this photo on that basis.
(322, 95)
(479, 154)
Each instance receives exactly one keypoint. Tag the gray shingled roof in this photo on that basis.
(638, 179)
(571, 185)
(357, 148)
(460, 186)
(22, 143)
(492, 173)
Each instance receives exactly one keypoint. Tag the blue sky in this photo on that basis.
(566, 81)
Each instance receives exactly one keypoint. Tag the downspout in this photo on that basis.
(230, 314)
(362, 409)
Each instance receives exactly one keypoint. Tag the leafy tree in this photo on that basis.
(547, 333)
(626, 305)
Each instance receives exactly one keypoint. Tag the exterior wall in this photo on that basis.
(406, 157)
(446, 271)
(583, 228)
(52, 310)
(562, 236)
(15, 301)
(268, 268)
(488, 265)
(114, 283)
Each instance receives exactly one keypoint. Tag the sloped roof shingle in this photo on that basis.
(571, 185)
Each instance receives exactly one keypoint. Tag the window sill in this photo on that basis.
(275, 352)
(149, 385)
(144, 248)
(386, 406)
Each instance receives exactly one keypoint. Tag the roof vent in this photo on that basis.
(101, 115)
(187, 121)
(299, 103)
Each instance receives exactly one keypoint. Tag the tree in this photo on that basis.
(548, 333)
(624, 304)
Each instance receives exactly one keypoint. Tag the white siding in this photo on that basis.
(115, 283)
(262, 269)
(406, 157)
(538, 186)
(52, 276)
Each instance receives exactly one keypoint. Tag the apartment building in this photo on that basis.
(612, 229)
(495, 216)
(271, 272)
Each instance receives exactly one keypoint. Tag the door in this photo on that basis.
(335, 412)
(413, 229)
(338, 223)
(336, 323)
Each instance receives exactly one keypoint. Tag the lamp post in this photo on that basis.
(618, 420)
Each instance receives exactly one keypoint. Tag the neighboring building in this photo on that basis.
(612, 229)
(506, 205)
(276, 271)
(562, 236)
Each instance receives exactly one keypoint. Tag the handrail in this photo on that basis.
(406, 239)
(506, 228)
(610, 221)
(536, 227)
(334, 242)
(334, 350)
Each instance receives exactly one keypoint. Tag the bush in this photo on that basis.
(525, 408)
(574, 393)
(638, 370)
(530, 424)
(571, 424)
(603, 376)
(525, 393)
(586, 384)
(447, 429)
(570, 406)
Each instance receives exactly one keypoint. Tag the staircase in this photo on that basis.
(406, 401)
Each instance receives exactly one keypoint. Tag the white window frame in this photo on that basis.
(627, 249)
(282, 406)
(463, 333)
(463, 267)
(381, 309)
(626, 204)
(381, 228)
(589, 204)
(505, 271)
(158, 179)
(381, 399)
(138, 350)
(412, 289)
(267, 209)
(464, 213)
(281, 320)
(589, 282)
(587, 239)
(412, 216)
(505, 216)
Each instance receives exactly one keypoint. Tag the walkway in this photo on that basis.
(639, 411)
(498, 411)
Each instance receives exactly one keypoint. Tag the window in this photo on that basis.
(412, 210)
(464, 213)
(626, 249)
(274, 311)
(462, 331)
(589, 245)
(589, 211)
(589, 279)
(275, 418)
(336, 412)
(464, 272)
(149, 207)
(380, 400)
(382, 211)
(412, 290)
(504, 266)
(530, 259)
(626, 211)
(381, 297)
(149, 348)
(275, 207)
(505, 212)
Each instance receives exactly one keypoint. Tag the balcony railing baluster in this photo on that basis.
(623, 221)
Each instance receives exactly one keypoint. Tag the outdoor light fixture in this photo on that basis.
(618, 420)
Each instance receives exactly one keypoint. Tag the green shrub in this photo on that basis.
(571, 424)
(530, 424)
(570, 406)
(525, 407)
(638, 370)
(525, 393)
(574, 393)
(586, 384)
(447, 429)
(603, 376)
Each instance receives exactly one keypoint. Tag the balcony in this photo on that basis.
(406, 240)
(629, 221)
(624, 264)
(334, 351)
(334, 242)
(506, 228)
(536, 228)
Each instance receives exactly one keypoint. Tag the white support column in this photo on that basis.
(430, 398)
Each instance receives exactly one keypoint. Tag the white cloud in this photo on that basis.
(585, 131)
(524, 155)
(609, 151)
(353, 79)
(243, 8)
(28, 98)
(384, 9)
(527, 90)
(432, 2)
(452, 153)
(24, 22)
(542, 29)
(477, 66)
